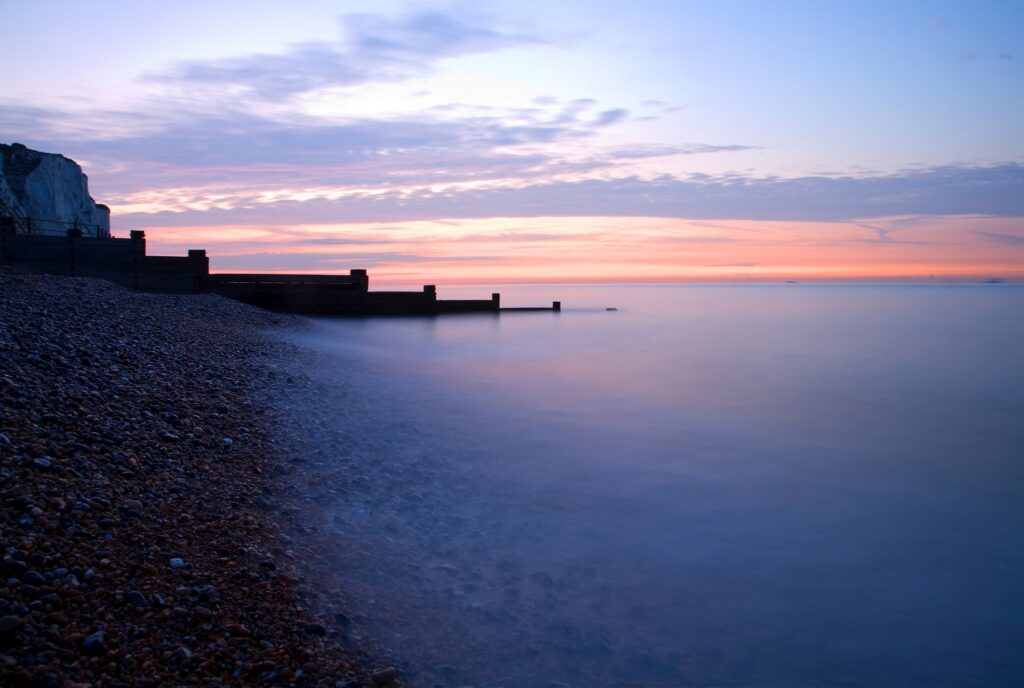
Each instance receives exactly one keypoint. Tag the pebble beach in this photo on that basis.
(146, 533)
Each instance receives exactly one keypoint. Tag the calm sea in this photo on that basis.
(789, 485)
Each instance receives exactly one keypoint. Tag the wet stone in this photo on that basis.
(384, 676)
(132, 506)
(136, 599)
(205, 592)
(33, 578)
(316, 628)
(9, 623)
(96, 643)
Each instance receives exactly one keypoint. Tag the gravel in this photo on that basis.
(138, 548)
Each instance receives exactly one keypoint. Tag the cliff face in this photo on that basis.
(47, 193)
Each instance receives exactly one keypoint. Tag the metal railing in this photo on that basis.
(50, 227)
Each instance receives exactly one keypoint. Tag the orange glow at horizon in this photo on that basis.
(612, 249)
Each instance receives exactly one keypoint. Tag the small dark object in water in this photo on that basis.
(384, 676)
(611, 309)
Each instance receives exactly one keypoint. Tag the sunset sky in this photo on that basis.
(571, 140)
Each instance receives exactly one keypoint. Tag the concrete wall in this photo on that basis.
(470, 305)
(293, 293)
(113, 259)
(125, 262)
(336, 295)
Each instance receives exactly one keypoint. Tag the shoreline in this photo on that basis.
(145, 536)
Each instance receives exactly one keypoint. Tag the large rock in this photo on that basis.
(48, 193)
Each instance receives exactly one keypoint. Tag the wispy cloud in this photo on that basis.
(374, 48)
(1002, 238)
(297, 260)
(235, 160)
(1001, 56)
(227, 168)
(609, 117)
(997, 190)
(176, 159)
(658, 249)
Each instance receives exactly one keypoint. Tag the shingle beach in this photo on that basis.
(143, 528)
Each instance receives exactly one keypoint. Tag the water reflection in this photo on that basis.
(710, 486)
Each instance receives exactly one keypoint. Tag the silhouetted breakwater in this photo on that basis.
(124, 261)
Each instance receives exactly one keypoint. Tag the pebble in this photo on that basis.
(136, 599)
(95, 644)
(132, 506)
(122, 415)
(384, 676)
(316, 628)
(33, 577)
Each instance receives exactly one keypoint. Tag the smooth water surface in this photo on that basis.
(713, 485)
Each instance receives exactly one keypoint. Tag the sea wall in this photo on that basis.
(48, 194)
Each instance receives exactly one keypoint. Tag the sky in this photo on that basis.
(559, 141)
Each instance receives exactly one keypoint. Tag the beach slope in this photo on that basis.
(140, 544)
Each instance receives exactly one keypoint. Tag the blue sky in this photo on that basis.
(192, 115)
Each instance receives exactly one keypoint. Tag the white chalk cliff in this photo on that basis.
(47, 193)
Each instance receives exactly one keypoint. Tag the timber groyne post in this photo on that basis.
(138, 239)
(200, 268)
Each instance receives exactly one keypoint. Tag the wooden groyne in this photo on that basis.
(124, 261)
(556, 306)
